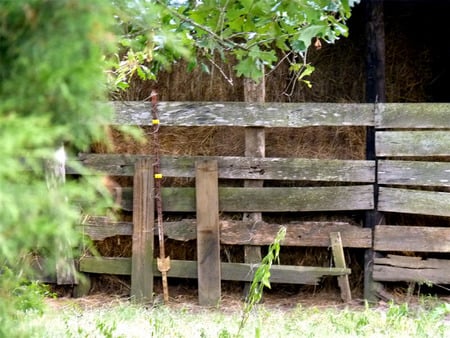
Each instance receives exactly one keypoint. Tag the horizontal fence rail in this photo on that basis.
(234, 232)
(414, 173)
(240, 114)
(245, 168)
(269, 199)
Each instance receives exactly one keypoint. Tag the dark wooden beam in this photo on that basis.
(375, 92)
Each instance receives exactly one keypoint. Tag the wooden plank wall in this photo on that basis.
(406, 136)
(413, 150)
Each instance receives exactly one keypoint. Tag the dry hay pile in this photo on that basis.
(339, 77)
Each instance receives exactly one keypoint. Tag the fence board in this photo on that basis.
(234, 232)
(247, 168)
(414, 173)
(208, 242)
(143, 224)
(230, 271)
(412, 115)
(270, 199)
(241, 114)
(339, 261)
(411, 238)
(412, 143)
(414, 201)
(411, 269)
(314, 234)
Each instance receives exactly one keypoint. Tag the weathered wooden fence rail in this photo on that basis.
(347, 186)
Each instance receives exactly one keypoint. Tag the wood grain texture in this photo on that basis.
(269, 199)
(395, 268)
(339, 261)
(247, 168)
(411, 238)
(143, 233)
(208, 242)
(241, 114)
(234, 232)
(414, 173)
(412, 115)
(412, 143)
(230, 271)
(414, 201)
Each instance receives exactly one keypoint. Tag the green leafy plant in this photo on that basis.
(255, 35)
(52, 82)
(261, 278)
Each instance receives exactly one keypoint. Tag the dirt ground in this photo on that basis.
(184, 296)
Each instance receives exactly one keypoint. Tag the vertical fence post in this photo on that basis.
(143, 232)
(255, 146)
(375, 92)
(208, 241)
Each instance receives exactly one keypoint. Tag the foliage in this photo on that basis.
(257, 34)
(51, 82)
(261, 278)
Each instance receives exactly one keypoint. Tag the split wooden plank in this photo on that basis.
(414, 201)
(411, 238)
(413, 143)
(311, 234)
(143, 233)
(339, 262)
(412, 269)
(412, 115)
(208, 242)
(243, 114)
(414, 173)
(230, 271)
(235, 232)
(235, 167)
(269, 199)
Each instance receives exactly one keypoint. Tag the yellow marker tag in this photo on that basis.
(158, 175)
(155, 121)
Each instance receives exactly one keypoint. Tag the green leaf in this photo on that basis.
(307, 34)
(249, 68)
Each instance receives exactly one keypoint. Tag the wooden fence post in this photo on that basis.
(375, 92)
(208, 241)
(255, 146)
(143, 232)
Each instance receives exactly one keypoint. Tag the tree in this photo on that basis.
(52, 82)
(257, 34)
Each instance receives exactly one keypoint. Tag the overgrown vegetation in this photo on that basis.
(51, 84)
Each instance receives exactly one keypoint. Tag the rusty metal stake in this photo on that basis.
(163, 261)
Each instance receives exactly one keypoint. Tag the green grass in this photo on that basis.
(122, 319)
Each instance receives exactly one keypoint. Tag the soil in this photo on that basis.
(282, 298)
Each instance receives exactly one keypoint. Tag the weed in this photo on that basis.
(261, 278)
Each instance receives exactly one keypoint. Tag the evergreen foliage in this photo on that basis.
(52, 81)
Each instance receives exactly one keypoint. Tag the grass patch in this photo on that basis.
(430, 318)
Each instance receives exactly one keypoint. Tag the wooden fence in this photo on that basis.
(397, 181)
